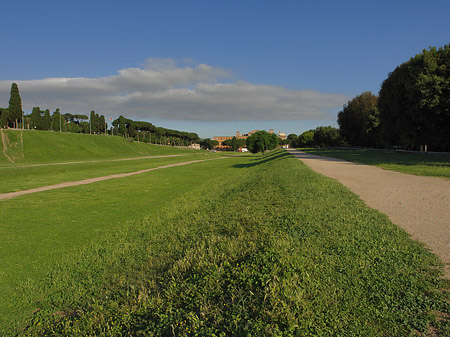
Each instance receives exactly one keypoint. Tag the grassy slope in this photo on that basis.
(97, 154)
(51, 147)
(246, 245)
(23, 178)
(412, 163)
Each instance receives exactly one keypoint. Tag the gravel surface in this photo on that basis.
(419, 205)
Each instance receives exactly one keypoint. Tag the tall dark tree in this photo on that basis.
(358, 120)
(3, 117)
(15, 112)
(56, 120)
(46, 120)
(414, 102)
(35, 118)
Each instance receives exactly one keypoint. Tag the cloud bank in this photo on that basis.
(162, 90)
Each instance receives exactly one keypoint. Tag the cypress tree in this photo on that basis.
(15, 106)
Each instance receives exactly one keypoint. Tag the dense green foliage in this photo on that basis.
(306, 139)
(208, 144)
(14, 114)
(413, 108)
(358, 120)
(412, 163)
(262, 141)
(322, 136)
(235, 143)
(307, 258)
(147, 132)
(414, 102)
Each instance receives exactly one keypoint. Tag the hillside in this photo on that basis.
(31, 146)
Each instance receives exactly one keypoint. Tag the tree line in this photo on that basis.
(14, 117)
(411, 111)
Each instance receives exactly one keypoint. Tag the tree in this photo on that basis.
(46, 120)
(306, 139)
(36, 118)
(414, 102)
(3, 117)
(15, 112)
(358, 120)
(327, 136)
(208, 144)
(291, 139)
(262, 141)
(56, 120)
(234, 143)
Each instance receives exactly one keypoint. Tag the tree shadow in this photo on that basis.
(275, 155)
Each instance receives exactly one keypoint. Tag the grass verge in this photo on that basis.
(269, 249)
(413, 163)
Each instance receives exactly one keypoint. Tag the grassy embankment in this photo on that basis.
(248, 245)
(413, 163)
(51, 158)
(35, 147)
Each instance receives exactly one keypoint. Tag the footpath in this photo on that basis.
(419, 205)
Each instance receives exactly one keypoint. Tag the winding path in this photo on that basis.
(419, 205)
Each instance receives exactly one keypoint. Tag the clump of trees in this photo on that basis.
(262, 141)
(235, 143)
(322, 136)
(208, 144)
(94, 124)
(412, 109)
(414, 102)
(147, 132)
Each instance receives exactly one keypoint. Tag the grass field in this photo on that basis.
(412, 163)
(34, 147)
(247, 245)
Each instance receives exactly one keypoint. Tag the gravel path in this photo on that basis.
(419, 205)
(10, 195)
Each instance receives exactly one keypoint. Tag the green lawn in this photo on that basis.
(18, 178)
(251, 245)
(32, 147)
(412, 163)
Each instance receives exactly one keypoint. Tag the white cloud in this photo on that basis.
(161, 89)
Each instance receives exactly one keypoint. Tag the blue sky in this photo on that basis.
(211, 67)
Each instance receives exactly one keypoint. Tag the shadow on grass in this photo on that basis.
(274, 155)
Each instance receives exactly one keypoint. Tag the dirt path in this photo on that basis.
(10, 195)
(4, 141)
(419, 205)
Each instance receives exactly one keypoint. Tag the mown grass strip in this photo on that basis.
(413, 163)
(33, 147)
(270, 249)
(24, 178)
